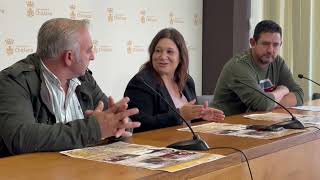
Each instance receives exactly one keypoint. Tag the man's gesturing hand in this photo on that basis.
(115, 120)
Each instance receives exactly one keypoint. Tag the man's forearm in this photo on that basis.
(279, 93)
(289, 100)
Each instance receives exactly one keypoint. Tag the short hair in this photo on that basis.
(266, 26)
(181, 73)
(59, 34)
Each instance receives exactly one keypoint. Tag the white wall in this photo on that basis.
(121, 30)
(256, 14)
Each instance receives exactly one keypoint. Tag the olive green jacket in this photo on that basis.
(27, 122)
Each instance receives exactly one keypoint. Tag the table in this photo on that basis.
(292, 157)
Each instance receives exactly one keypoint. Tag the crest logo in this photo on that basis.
(32, 11)
(197, 20)
(95, 44)
(129, 47)
(12, 49)
(113, 17)
(100, 48)
(110, 14)
(132, 48)
(143, 16)
(73, 11)
(74, 14)
(9, 46)
(145, 19)
(171, 16)
(175, 20)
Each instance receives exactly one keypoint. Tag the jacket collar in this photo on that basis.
(32, 63)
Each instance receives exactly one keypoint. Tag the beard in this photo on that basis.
(266, 59)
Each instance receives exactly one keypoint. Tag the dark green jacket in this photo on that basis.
(27, 123)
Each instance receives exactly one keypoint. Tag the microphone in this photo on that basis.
(196, 143)
(294, 123)
(302, 77)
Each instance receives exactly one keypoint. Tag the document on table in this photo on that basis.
(308, 108)
(143, 156)
(239, 130)
(307, 120)
(271, 116)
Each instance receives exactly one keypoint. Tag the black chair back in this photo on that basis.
(315, 96)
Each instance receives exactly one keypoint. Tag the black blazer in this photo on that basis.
(153, 112)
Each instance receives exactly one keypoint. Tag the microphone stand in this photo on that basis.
(301, 76)
(196, 143)
(294, 123)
